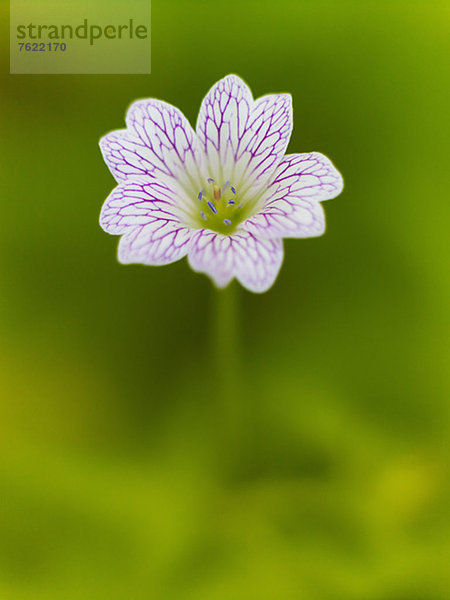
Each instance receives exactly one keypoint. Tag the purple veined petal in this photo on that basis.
(259, 261)
(311, 175)
(127, 157)
(244, 140)
(288, 217)
(291, 206)
(222, 120)
(171, 144)
(264, 142)
(134, 203)
(158, 242)
(254, 261)
(211, 253)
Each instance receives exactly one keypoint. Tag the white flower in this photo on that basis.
(224, 195)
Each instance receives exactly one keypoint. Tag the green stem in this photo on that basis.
(226, 329)
(227, 362)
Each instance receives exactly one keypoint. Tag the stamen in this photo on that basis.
(212, 207)
(225, 185)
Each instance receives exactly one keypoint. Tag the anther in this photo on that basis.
(227, 221)
(231, 201)
(212, 207)
(233, 189)
(203, 216)
(200, 195)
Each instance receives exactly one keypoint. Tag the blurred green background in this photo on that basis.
(126, 472)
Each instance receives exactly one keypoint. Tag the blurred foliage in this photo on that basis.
(116, 477)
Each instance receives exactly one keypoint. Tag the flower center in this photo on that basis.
(219, 208)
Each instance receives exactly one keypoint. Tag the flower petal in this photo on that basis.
(310, 175)
(288, 217)
(254, 261)
(291, 206)
(171, 145)
(243, 139)
(135, 203)
(126, 156)
(159, 242)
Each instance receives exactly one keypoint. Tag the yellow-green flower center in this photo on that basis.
(219, 208)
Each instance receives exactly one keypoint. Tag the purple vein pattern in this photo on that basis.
(224, 195)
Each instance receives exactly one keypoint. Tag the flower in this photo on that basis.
(224, 196)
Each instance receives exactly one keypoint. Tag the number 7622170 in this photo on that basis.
(42, 46)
